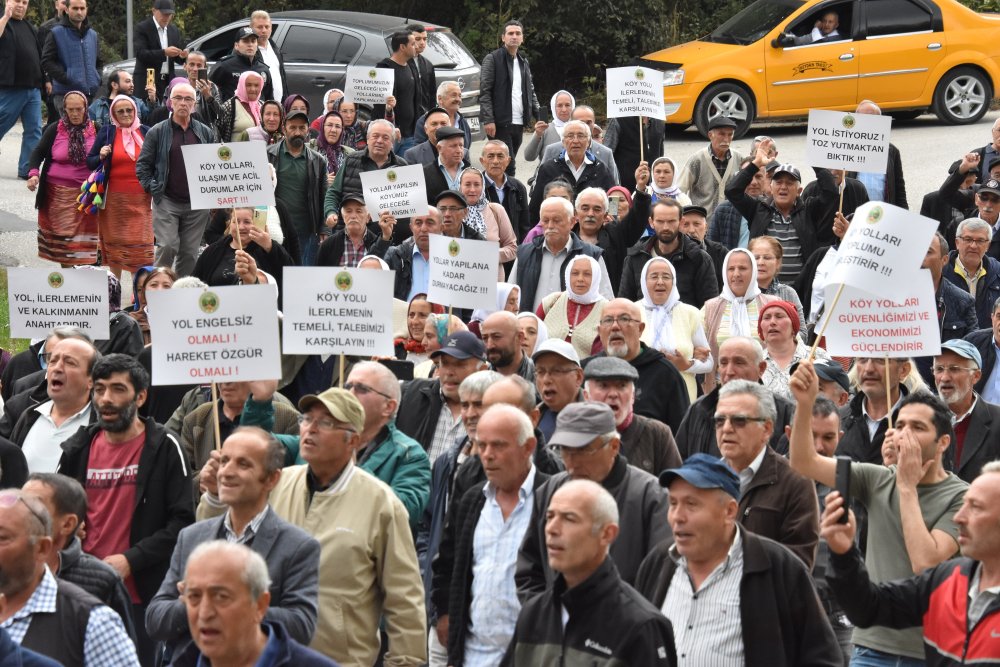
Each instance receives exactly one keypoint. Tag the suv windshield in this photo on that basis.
(753, 22)
(445, 51)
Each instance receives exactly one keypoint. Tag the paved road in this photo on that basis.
(927, 149)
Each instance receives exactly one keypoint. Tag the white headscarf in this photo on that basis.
(739, 324)
(503, 293)
(543, 330)
(594, 293)
(673, 191)
(382, 262)
(659, 317)
(556, 123)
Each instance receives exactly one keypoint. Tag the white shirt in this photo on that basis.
(271, 60)
(161, 31)
(747, 474)
(42, 444)
(516, 103)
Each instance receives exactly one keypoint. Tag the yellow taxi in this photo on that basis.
(780, 58)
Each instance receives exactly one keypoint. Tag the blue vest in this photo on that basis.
(78, 57)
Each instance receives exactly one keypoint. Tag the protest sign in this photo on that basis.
(463, 272)
(884, 243)
(42, 299)
(896, 319)
(227, 175)
(338, 310)
(635, 91)
(219, 334)
(854, 142)
(399, 190)
(369, 85)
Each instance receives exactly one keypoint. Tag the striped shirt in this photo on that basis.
(707, 625)
(449, 430)
(782, 229)
(248, 532)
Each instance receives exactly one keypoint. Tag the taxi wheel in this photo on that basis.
(963, 96)
(725, 99)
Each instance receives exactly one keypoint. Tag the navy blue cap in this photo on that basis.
(704, 472)
(462, 345)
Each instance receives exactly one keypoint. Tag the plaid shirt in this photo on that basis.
(725, 226)
(352, 254)
(105, 644)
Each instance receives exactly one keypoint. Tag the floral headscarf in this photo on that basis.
(334, 152)
(77, 133)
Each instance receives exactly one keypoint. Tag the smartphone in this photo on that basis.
(150, 77)
(203, 74)
(613, 207)
(260, 218)
(843, 483)
(543, 115)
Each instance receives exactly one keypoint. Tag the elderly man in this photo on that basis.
(954, 601)
(695, 272)
(660, 392)
(575, 164)
(585, 114)
(248, 468)
(504, 189)
(445, 173)
(865, 418)
(449, 100)
(540, 265)
(587, 438)
(833, 382)
(648, 444)
(889, 186)
(706, 173)
(694, 223)
(976, 423)
(347, 246)
(588, 612)
(366, 547)
(411, 258)
(48, 616)
(910, 503)
(715, 563)
(426, 150)
(452, 206)
(987, 341)
(739, 359)
(473, 591)
(227, 609)
(558, 379)
(503, 346)
(960, 195)
(728, 226)
(970, 268)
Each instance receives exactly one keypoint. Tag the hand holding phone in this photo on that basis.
(843, 484)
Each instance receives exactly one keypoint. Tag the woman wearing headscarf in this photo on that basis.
(488, 218)
(330, 143)
(778, 326)
(411, 346)
(561, 105)
(242, 110)
(673, 327)
(574, 314)
(148, 279)
(66, 235)
(436, 329)
(532, 330)
(662, 183)
(272, 124)
(330, 98)
(508, 298)
(735, 311)
(125, 224)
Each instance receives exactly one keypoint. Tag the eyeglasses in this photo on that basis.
(323, 424)
(575, 135)
(185, 100)
(359, 388)
(952, 370)
(545, 372)
(579, 452)
(622, 320)
(972, 241)
(10, 499)
(738, 421)
(451, 209)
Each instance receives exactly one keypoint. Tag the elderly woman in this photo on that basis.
(619, 201)
(778, 326)
(436, 329)
(330, 98)
(532, 330)
(561, 105)
(488, 218)
(66, 235)
(149, 279)
(330, 143)
(767, 252)
(672, 327)
(574, 314)
(735, 311)
(411, 347)
(272, 121)
(355, 129)
(508, 298)
(242, 111)
(125, 224)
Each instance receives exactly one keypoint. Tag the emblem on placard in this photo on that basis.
(391, 176)
(225, 153)
(372, 74)
(874, 215)
(344, 281)
(453, 248)
(639, 74)
(208, 302)
(848, 122)
(56, 280)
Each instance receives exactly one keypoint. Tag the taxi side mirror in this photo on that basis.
(783, 40)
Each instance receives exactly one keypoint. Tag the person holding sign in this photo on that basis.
(889, 186)
(348, 245)
(573, 314)
(411, 258)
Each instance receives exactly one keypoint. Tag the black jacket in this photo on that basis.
(400, 259)
(21, 364)
(983, 340)
(149, 54)
(895, 186)
(419, 408)
(616, 237)
(783, 624)
(21, 56)
(855, 195)
(855, 442)
(982, 441)
(697, 431)
(595, 175)
(13, 466)
(349, 180)
(515, 202)
(163, 500)
(609, 624)
(495, 83)
(332, 250)
(315, 186)
(434, 181)
(696, 272)
(426, 79)
(226, 74)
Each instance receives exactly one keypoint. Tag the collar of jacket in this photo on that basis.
(767, 474)
(688, 247)
(70, 553)
(582, 597)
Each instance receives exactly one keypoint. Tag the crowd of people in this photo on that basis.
(626, 458)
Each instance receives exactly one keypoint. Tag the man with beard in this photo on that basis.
(503, 346)
(136, 478)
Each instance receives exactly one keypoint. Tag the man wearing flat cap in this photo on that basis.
(648, 444)
(367, 555)
(706, 173)
(356, 239)
(587, 438)
(694, 223)
(714, 563)
(445, 173)
(452, 206)
(976, 423)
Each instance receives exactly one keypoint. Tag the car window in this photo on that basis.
(753, 22)
(891, 17)
(808, 22)
(445, 51)
(307, 44)
(221, 45)
(349, 47)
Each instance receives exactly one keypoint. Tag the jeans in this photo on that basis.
(26, 104)
(178, 231)
(868, 657)
(308, 248)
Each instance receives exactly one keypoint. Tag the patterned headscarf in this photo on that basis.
(334, 152)
(77, 133)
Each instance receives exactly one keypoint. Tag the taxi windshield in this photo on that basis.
(753, 22)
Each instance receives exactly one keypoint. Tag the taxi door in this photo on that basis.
(812, 76)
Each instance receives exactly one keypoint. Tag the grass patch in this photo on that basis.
(15, 345)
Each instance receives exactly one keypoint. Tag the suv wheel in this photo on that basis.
(963, 96)
(725, 99)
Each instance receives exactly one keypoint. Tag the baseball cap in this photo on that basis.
(297, 114)
(164, 6)
(829, 371)
(448, 132)
(556, 346)
(964, 348)
(721, 121)
(342, 404)
(579, 423)
(351, 196)
(610, 368)
(461, 345)
(789, 169)
(991, 186)
(704, 472)
(245, 33)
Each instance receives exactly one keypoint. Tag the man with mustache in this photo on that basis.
(707, 171)
(865, 419)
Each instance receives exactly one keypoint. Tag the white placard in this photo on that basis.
(884, 243)
(42, 299)
(369, 85)
(219, 334)
(399, 190)
(898, 320)
(463, 272)
(635, 91)
(850, 141)
(226, 175)
(337, 310)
